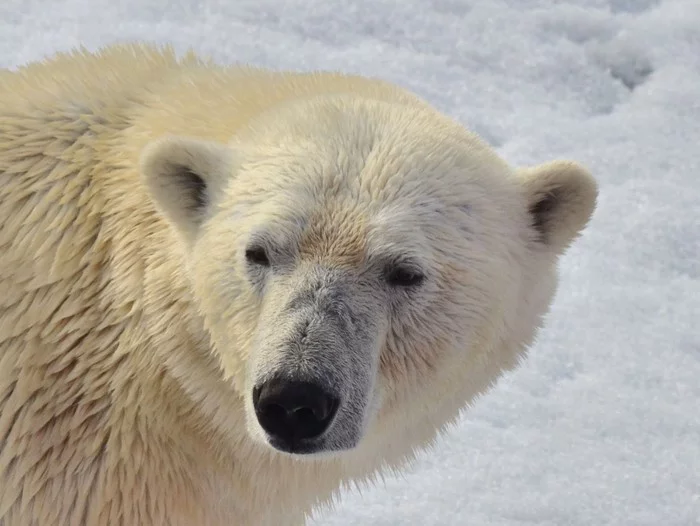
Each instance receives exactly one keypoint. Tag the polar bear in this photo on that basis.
(226, 292)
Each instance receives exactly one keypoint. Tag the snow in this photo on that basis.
(601, 426)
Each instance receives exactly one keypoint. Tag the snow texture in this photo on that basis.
(601, 426)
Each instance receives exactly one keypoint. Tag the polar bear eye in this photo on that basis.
(401, 276)
(256, 255)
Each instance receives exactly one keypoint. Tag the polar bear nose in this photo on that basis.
(290, 410)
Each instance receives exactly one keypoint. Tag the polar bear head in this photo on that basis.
(364, 268)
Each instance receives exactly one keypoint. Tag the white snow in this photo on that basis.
(601, 426)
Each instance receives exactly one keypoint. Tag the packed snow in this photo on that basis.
(601, 425)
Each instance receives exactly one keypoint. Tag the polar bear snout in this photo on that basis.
(313, 367)
(293, 412)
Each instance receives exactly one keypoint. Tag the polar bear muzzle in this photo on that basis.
(314, 364)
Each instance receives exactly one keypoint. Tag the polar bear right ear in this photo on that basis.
(181, 175)
(561, 198)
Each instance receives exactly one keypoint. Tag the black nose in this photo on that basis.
(292, 411)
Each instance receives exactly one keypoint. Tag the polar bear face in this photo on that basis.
(365, 269)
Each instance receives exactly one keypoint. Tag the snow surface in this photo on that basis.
(601, 426)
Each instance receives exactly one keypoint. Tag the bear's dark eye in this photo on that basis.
(256, 255)
(399, 276)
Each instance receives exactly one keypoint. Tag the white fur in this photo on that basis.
(338, 177)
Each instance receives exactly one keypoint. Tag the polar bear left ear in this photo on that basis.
(181, 175)
(561, 198)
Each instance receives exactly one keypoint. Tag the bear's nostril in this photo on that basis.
(292, 411)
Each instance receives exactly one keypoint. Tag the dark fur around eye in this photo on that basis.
(403, 276)
(257, 255)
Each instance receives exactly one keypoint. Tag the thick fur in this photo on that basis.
(133, 330)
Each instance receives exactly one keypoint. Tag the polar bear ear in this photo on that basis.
(561, 198)
(182, 174)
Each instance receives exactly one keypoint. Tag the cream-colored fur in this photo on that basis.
(131, 333)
